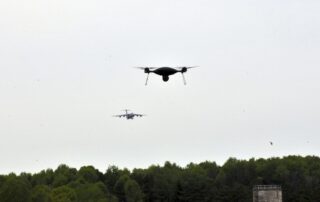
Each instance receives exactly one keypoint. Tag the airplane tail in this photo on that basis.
(126, 110)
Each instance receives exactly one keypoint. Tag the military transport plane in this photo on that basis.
(165, 72)
(129, 115)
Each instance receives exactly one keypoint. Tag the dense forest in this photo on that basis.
(206, 181)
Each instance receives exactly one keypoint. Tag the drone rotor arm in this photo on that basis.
(144, 68)
(184, 69)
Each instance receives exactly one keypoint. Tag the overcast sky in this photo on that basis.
(66, 66)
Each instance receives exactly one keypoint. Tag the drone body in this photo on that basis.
(129, 115)
(165, 72)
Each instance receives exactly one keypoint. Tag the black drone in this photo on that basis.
(165, 72)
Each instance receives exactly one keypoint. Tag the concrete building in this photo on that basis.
(267, 193)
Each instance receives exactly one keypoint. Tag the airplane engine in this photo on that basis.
(184, 69)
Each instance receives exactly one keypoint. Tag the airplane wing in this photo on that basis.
(139, 115)
(121, 115)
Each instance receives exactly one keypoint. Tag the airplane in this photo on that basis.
(129, 115)
(165, 72)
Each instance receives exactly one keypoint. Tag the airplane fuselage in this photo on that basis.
(130, 116)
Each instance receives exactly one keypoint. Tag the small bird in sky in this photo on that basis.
(271, 143)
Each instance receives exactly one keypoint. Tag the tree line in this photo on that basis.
(298, 176)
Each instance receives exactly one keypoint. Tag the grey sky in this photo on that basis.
(66, 68)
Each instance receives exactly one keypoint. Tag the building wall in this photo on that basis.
(267, 196)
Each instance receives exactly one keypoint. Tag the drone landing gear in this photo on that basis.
(147, 78)
(184, 79)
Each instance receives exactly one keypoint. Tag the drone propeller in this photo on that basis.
(141, 67)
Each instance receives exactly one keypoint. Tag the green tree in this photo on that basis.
(194, 185)
(63, 194)
(89, 174)
(112, 175)
(119, 188)
(15, 189)
(132, 191)
(90, 192)
(63, 175)
(45, 177)
(233, 181)
(158, 183)
(41, 193)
